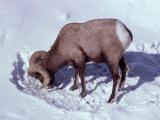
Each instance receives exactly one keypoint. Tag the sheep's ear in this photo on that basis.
(41, 58)
(36, 57)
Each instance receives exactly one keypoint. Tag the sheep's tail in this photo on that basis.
(130, 33)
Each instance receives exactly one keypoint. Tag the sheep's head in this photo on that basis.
(36, 69)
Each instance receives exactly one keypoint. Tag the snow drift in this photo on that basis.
(26, 26)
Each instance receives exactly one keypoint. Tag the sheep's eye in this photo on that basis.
(41, 59)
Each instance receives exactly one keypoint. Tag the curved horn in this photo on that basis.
(44, 74)
(41, 70)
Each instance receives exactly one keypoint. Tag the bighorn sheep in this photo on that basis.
(100, 40)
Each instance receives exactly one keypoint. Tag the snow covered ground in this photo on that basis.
(26, 26)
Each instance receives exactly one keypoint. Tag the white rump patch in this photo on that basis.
(123, 35)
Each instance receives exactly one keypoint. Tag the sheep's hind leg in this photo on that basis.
(124, 68)
(116, 80)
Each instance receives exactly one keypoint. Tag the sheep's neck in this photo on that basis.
(53, 61)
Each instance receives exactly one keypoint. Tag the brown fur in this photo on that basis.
(95, 40)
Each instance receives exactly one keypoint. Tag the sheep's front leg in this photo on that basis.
(80, 64)
(75, 84)
(81, 75)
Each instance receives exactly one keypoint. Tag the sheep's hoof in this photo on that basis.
(121, 87)
(111, 100)
(74, 87)
(83, 94)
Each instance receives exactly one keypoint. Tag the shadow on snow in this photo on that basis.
(142, 65)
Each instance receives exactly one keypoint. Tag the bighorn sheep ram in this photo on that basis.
(100, 40)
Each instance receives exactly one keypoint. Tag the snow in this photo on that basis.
(26, 26)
